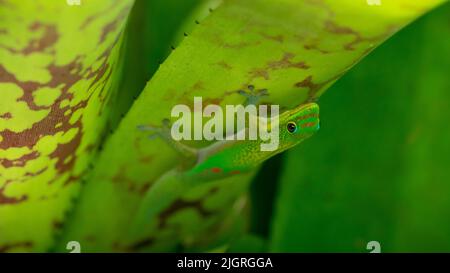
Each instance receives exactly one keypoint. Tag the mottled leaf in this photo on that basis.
(58, 65)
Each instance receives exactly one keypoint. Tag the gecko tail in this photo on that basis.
(160, 194)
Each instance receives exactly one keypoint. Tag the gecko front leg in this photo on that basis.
(253, 96)
(164, 132)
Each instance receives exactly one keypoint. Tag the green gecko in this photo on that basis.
(222, 159)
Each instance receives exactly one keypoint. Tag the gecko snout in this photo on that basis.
(307, 119)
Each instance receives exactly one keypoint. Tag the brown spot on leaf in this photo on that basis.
(144, 188)
(121, 179)
(137, 246)
(308, 83)
(58, 225)
(210, 101)
(92, 18)
(19, 162)
(27, 87)
(108, 29)
(314, 46)
(48, 39)
(98, 74)
(6, 200)
(146, 159)
(277, 38)
(259, 73)
(65, 152)
(198, 86)
(6, 116)
(314, 88)
(112, 26)
(225, 65)
(10, 247)
(235, 45)
(284, 63)
(180, 205)
(120, 176)
(332, 27)
(239, 45)
(29, 174)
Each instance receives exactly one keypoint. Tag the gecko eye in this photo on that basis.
(291, 127)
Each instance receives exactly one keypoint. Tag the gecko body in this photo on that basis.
(222, 159)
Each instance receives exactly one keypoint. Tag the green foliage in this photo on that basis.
(58, 70)
(66, 81)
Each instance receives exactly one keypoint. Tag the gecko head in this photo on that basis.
(300, 122)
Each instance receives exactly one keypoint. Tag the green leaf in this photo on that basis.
(65, 82)
(58, 65)
(378, 169)
(152, 30)
(294, 48)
